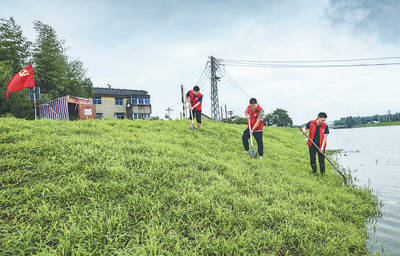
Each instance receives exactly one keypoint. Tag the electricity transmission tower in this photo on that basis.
(215, 115)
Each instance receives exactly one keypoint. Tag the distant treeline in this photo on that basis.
(351, 121)
(279, 117)
(56, 73)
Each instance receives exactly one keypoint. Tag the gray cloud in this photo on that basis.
(379, 18)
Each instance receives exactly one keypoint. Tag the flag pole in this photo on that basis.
(34, 98)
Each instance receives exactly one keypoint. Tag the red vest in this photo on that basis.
(313, 128)
(254, 116)
(194, 99)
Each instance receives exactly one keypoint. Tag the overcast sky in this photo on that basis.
(159, 45)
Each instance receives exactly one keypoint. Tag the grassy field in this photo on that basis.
(122, 187)
(378, 124)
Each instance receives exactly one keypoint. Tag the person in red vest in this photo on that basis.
(319, 131)
(195, 98)
(256, 115)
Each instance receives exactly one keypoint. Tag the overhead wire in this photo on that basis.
(309, 66)
(200, 81)
(307, 61)
(228, 79)
(232, 82)
(203, 72)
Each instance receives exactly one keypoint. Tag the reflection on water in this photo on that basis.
(374, 155)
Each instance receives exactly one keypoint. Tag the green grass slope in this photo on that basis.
(121, 187)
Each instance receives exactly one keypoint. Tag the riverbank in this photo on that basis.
(378, 124)
(157, 188)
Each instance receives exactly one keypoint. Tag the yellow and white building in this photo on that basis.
(121, 103)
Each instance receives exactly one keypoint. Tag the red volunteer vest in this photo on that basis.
(254, 116)
(313, 128)
(194, 99)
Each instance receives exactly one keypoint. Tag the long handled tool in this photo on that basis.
(252, 152)
(193, 126)
(344, 177)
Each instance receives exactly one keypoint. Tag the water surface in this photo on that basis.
(374, 155)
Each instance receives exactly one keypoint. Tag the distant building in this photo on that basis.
(121, 103)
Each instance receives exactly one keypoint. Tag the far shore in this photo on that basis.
(367, 125)
(378, 124)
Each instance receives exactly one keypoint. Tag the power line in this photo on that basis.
(310, 66)
(229, 77)
(200, 82)
(206, 76)
(307, 61)
(203, 72)
(238, 91)
(232, 82)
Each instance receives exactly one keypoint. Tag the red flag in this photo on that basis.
(23, 79)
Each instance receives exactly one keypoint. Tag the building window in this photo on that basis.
(97, 100)
(120, 115)
(135, 116)
(141, 100)
(99, 115)
(119, 101)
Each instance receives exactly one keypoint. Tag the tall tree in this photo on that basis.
(57, 74)
(50, 60)
(15, 50)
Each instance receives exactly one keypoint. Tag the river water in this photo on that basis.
(373, 155)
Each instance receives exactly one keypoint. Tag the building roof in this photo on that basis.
(118, 92)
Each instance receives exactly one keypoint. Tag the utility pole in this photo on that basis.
(168, 115)
(34, 99)
(389, 115)
(215, 115)
(221, 114)
(226, 115)
(183, 115)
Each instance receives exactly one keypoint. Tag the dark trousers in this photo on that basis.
(197, 114)
(258, 136)
(321, 159)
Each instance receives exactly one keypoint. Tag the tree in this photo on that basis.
(58, 74)
(268, 119)
(50, 60)
(349, 122)
(279, 117)
(55, 72)
(15, 50)
(241, 120)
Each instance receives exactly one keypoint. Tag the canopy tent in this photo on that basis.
(68, 108)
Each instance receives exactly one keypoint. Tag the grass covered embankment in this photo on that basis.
(378, 124)
(121, 187)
